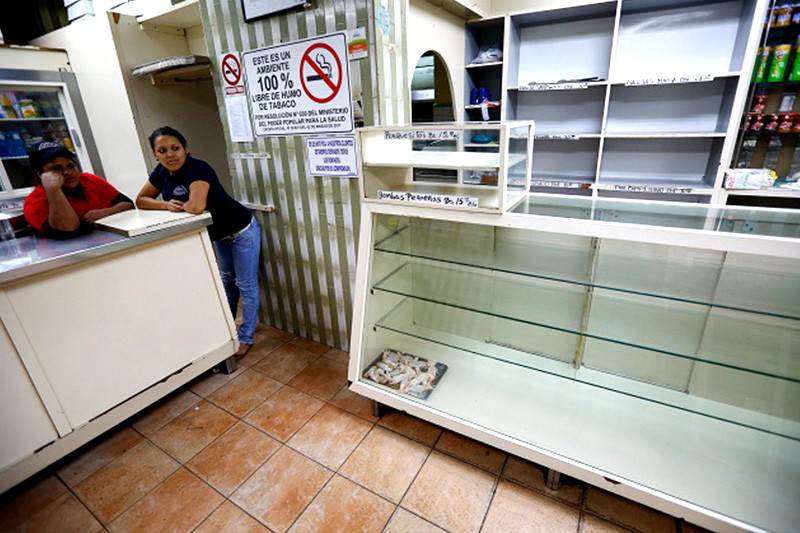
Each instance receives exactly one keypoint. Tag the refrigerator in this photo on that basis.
(36, 106)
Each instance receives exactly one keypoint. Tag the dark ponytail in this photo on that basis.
(166, 130)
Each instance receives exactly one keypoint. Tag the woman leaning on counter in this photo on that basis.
(67, 202)
(191, 185)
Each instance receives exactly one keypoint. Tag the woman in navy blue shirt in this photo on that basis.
(191, 185)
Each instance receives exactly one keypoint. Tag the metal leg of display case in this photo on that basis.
(553, 481)
(228, 366)
(378, 409)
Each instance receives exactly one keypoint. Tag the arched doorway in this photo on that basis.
(431, 90)
(432, 101)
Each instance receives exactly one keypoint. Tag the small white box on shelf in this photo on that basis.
(482, 166)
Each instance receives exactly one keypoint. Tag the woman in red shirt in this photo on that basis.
(67, 202)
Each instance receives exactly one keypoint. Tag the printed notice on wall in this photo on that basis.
(238, 119)
(332, 156)
(444, 200)
(300, 88)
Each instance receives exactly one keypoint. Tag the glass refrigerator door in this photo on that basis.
(30, 114)
(770, 128)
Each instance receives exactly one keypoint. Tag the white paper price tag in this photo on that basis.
(424, 135)
(443, 200)
(554, 86)
(669, 80)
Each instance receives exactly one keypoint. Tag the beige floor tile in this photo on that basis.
(279, 491)
(46, 506)
(30, 500)
(323, 378)
(259, 350)
(164, 411)
(245, 392)
(385, 463)
(181, 503)
(471, 451)
(263, 331)
(450, 493)
(285, 362)
(533, 476)
(230, 519)
(591, 524)
(283, 413)
(311, 346)
(354, 403)
(65, 515)
(411, 427)
(344, 506)
(206, 384)
(515, 508)
(628, 513)
(101, 452)
(405, 522)
(337, 355)
(330, 436)
(193, 430)
(116, 486)
(230, 459)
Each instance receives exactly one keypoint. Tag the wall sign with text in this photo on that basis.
(301, 87)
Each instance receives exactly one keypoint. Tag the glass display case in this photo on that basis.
(469, 166)
(649, 348)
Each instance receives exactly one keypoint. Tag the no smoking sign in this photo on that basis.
(231, 69)
(300, 88)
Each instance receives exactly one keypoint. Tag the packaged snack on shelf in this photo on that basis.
(760, 103)
(771, 122)
(794, 72)
(781, 16)
(406, 373)
(796, 125)
(749, 178)
(780, 59)
(757, 123)
(27, 109)
(786, 122)
(761, 64)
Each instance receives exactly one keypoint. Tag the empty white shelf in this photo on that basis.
(490, 64)
(446, 160)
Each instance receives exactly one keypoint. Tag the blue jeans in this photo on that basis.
(237, 259)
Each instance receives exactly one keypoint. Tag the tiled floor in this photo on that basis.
(282, 444)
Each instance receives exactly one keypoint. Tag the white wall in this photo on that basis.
(90, 46)
(189, 107)
(30, 58)
(431, 28)
(501, 7)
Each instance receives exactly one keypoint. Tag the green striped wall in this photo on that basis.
(309, 244)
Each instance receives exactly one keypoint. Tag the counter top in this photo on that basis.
(20, 258)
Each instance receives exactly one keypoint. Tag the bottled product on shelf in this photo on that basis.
(773, 152)
(746, 152)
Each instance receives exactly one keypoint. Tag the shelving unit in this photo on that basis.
(758, 149)
(657, 82)
(581, 332)
(481, 34)
(489, 176)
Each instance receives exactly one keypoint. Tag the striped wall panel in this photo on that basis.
(309, 244)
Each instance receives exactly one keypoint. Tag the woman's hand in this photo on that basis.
(175, 206)
(52, 180)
